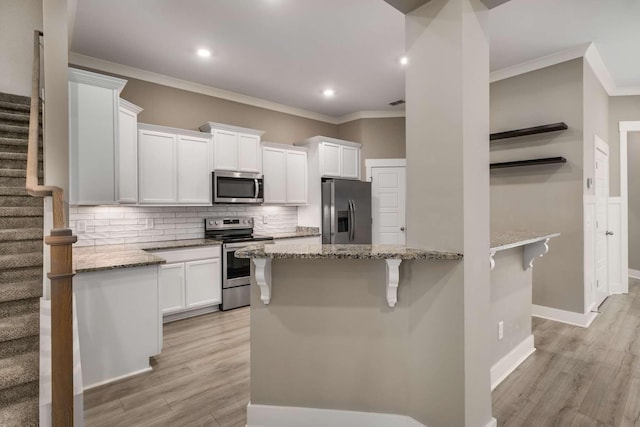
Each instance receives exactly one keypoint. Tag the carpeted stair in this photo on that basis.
(21, 222)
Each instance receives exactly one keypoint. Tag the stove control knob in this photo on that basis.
(218, 222)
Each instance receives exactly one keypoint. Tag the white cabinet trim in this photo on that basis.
(210, 126)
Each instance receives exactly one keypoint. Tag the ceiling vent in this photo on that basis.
(398, 102)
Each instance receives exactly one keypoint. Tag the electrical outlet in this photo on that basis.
(265, 219)
(500, 330)
(81, 226)
(149, 223)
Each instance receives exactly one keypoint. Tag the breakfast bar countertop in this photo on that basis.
(344, 252)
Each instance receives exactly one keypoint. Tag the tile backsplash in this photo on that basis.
(111, 225)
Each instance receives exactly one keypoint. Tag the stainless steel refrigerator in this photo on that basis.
(346, 212)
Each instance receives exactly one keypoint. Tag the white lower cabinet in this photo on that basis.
(203, 283)
(172, 288)
(190, 281)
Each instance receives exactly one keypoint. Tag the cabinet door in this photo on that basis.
(203, 280)
(275, 175)
(157, 167)
(194, 173)
(225, 150)
(171, 280)
(330, 160)
(93, 118)
(296, 178)
(128, 157)
(350, 162)
(249, 153)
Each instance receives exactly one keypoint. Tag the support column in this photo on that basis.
(447, 94)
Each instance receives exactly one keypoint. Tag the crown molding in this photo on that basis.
(591, 55)
(539, 63)
(95, 79)
(383, 114)
(126, 71)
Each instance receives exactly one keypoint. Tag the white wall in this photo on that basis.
(18, 19)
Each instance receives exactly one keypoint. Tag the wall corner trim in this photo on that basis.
(563, 316)
(505, 366)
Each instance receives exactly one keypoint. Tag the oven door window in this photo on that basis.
(236, 188)
(237, 267)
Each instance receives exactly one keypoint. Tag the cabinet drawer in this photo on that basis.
(192, 254)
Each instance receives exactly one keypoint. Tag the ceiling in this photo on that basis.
(289, 51)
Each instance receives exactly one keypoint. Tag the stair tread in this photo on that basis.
(15, 99)
(12, 106)
(21, 414)
(19, 326)
(20, 290)
(15, 234)
(22, 211)
(16, 173)
(19, 369)
(17, 116)
(20, 260)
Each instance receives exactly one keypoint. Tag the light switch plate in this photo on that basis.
(500, 330)
(81, 227)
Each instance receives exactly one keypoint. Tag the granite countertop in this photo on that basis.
(503, 240)
(300, 232)
(110, 257)
(343, 252)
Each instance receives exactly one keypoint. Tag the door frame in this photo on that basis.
(625, 127)
(382, 163)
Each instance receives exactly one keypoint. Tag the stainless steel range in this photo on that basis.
(235, 233)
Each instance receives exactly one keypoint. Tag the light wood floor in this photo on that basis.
(200, 379)
(576, 378)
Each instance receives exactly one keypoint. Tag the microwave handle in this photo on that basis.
(257, 187)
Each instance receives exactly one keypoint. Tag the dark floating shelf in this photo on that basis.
(532, 162)
(554, 127)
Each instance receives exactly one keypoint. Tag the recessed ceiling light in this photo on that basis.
(204, 53)
(329, 93)
(404, 60)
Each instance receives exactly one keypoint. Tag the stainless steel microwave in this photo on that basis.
(237, 187)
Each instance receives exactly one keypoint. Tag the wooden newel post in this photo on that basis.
(61, 276)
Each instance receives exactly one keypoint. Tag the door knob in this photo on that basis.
(609, 233)
(401, 228)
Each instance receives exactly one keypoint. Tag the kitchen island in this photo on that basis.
(341, 334)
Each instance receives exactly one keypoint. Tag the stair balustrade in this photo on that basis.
(61, 275)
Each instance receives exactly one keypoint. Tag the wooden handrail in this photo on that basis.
(33, 188)
(60, 240)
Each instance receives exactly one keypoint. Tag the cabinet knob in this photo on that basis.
(609, 233)
(401, 228)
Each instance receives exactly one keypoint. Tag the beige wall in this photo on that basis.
(621, 108)
(543, 198)
(381, 138)
(18, 20)
(596, 121)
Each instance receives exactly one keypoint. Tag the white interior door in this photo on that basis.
(601, 285)
(388, 192)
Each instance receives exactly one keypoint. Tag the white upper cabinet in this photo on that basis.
(157, 161)
(128, 152)
(275, 175)
(174, 166)
(225, 152)
(296, 177)
(285, 174)
(94, 105)
(333, 158)
(235, 149)
(249, 153)
(194, 172)
(349, 162)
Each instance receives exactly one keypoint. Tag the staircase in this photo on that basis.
(21, 244)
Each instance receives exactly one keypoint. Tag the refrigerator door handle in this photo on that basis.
(355, 220)
(352, 221)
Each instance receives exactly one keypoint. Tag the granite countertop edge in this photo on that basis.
(345, 252)
(508, 240)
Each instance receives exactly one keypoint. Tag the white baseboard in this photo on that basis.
(563, 316)
(503, 367)
(492, 423)
(191, 313)
(122, 377)
(286, 416)
(635, 274)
